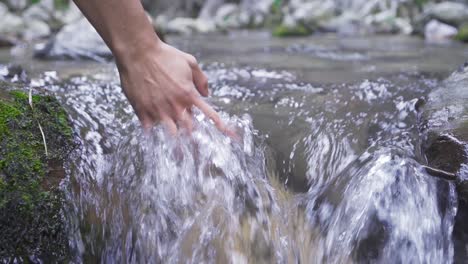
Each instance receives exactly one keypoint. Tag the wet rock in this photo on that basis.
(445, 123)
(452, 13)
(31, 204)
(78, 40)
(437, 32)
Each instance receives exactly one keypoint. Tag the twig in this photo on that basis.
(38, 124)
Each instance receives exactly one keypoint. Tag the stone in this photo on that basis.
(437, 32)
(10, 23)
(340, 23)
(227, 16)
(314, 12)
(35, 29)
(445, 124)
(186, 25)
(452, 13)
(31, 201)
(383, 22)
(78, 40)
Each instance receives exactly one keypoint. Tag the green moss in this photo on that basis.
(286, 31)
(27, 202)
(462, 34)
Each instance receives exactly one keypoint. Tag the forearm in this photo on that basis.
(123, 25)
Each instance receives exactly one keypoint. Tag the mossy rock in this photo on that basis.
(462, 34)
(32, 225)
(291, 31)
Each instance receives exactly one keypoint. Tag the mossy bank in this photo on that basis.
(32, 225)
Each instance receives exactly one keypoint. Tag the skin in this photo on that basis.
(161, 82)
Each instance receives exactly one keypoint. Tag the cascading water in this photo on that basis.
(350, 152)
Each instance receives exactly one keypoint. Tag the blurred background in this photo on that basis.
(436, 21)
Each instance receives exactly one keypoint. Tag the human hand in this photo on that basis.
(162, 84)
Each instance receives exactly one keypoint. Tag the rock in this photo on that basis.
(339, 23)
(78, 40)
(452, 13)
(185, 25)
(36, 29)
(31, 202)
(6, 41)
(227, 16)
(387, 22)
(37, 12)
(437, 32)
(445, 124)
(462, 34)
(17, 4)
(10, 23)
(314, 12)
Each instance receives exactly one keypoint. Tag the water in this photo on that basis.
(327, 167)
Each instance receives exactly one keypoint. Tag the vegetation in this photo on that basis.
(462, 33)
(31, 219)
(286, 31)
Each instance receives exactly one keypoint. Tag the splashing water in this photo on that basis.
(331, 175)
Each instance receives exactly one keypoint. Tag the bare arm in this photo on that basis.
(161, 82)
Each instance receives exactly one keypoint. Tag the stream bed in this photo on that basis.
(328, 167)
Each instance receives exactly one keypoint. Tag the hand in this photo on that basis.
(162, 84)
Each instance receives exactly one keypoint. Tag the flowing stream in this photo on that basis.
(327, 167)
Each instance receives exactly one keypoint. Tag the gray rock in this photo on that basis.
(437, 32)
(186, 25)
(227, 16)
(453, 13)
(10, 24)
(387, 22)
(78, 40)
(445, 126)
(35, 29)
(314, 12)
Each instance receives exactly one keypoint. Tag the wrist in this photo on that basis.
(127, 52)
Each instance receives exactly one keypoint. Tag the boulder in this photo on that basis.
(445, 144)
(312, 13)
(452, 13)
(437, 32)
(186, 25)
(227, 16)
(445, 127)
(10, 23)
(78, 40)
(35, 29)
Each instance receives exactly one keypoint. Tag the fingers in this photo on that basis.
(209, 112)
(170, 125)
(199, 78)
(186, 120)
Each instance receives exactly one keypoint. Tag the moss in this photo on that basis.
(462, 34)
(28, 205)
(286, 31)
